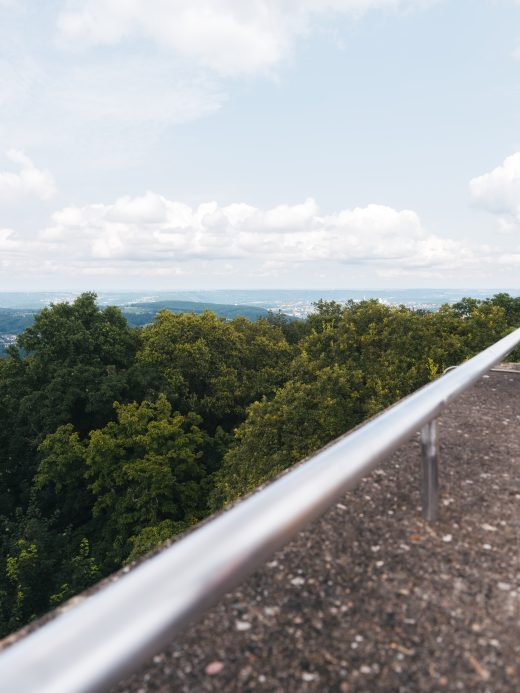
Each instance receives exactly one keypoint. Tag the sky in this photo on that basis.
(204, 144)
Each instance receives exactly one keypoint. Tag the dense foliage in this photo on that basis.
(114, 439)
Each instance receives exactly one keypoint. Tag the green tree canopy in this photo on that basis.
(141, 469)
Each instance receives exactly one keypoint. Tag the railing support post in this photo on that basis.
(430, 474)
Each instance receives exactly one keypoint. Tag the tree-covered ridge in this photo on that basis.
(115, 438)
(14, 320)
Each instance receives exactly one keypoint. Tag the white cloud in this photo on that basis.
(510, 259)
(230, 37)
(499, 190)
(152, 234)
(7, 240)
(27, 181)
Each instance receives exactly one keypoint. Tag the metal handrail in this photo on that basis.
(111, 633)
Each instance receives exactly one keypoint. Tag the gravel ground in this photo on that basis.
(372, 598)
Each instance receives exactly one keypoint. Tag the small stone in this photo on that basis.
(504, 586)
(262, 678)
(487, 547)
(341, 506)
(364, 669)
(447, 538)
(298, 581)
(308, 676)
(272, 564)
(242, 625)
(379, 564)
(375, 549)
(415, 538)
(488, 528)
(214, 668)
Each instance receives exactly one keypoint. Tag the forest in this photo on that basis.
(116, 438)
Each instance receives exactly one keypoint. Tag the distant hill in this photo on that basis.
(142, 313)
(16, 320)
(13, 321)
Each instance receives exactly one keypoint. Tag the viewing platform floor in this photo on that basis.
(371, 597)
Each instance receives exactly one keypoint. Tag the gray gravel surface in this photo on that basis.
(372, 598)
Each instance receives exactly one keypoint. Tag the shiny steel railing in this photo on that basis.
(111, 633)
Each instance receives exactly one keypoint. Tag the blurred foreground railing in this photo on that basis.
(112, 632)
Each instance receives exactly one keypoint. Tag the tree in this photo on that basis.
(215, 367)
(69, 367)
(301, 418)
(140, 470)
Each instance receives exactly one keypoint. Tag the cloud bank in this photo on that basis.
(153, 235)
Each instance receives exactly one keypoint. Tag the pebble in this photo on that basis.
(504, 586)
(447, 538)
(487, 547)
(214, 668)
(308, 676)
(298, 581)
(242, 625)
(488, 528)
